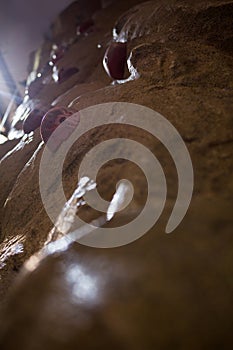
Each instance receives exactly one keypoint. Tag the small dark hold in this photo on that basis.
(62, 119)
(85, 27)
(65, 74)
(115, 60)
(52, 119)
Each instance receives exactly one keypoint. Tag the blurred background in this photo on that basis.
(23, 23)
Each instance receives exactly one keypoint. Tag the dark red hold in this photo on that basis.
(85, 27)
(65, 74)
(52, 120)
(115, 60)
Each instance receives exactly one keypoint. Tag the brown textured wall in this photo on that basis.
(162, 291)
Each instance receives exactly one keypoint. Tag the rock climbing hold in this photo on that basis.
(115, 60)
(85, 27)
(65, 74)
(52, 119)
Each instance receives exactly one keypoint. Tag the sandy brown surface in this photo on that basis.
(162, 291)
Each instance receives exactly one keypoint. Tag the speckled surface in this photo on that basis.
(162, 291)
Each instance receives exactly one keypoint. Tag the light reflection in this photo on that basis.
(9, 248)
(3, 139)
(120, 38)
(84, 287)
(55, 74)
(15, 134)
(121, 198)
(32, 263)
(134, 75)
